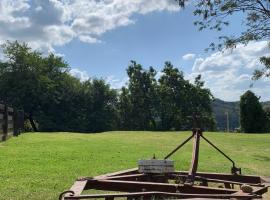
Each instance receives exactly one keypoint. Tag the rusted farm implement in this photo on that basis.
(156, 179)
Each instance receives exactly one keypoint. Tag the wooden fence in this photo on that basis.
(11, 122)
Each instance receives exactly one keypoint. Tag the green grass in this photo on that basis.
(42, 165)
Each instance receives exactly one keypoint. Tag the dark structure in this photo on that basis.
(11, 122)
(131, 184)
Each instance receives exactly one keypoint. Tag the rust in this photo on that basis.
(178, 184)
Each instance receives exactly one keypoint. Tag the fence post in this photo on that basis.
(15, 123)
(2, 108)
(5, 124)
(18, 122)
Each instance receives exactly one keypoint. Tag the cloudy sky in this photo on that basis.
(98, 38)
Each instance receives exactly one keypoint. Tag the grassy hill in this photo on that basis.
(41, 165)
(219, 109)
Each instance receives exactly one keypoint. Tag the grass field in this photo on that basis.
(42, 165)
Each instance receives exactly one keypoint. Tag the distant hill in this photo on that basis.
(221, 107)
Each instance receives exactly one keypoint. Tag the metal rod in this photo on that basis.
(166, 195)
(178, 147)
(195, 157)
(218, 150)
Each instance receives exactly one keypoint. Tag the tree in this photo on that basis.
(124, 110)
(199, 103)
(51, 98)
(214, 15)
(252, 115)
(27, 79)
(172, 96)
(142, 93)
(101, 115)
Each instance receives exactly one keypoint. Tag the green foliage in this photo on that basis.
(27, 79)
(141, 98)
(53, 100)
(169, 103)
(215, 15)
(265, 71)
(252, 116)
(172, 96)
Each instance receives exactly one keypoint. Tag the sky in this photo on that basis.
(99, 38)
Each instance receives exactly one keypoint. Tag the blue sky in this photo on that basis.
(99, 38)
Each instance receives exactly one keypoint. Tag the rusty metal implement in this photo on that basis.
(132, 184)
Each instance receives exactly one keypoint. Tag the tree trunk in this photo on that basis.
(32, 123)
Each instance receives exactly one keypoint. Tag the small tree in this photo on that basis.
(252, 115)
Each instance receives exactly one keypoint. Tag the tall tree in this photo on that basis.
(172, 96)
(124, 110)
(102, 114)
(27, 78)
(142, 89)
(252, 115)
(215, 15)
(199, 100)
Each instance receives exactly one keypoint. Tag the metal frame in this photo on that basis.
(130, 184)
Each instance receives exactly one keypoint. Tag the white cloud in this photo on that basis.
(228, 74)
(82, 75)
(48, 23)
(189, 56)
(113, 81)
(116, 83)
(89, 39)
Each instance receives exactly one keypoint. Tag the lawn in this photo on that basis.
(42, 165)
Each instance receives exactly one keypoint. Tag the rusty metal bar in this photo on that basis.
(234, 168)
(119, 173)
(195, 156)
(77, 188)
(200, 178)
(132, 186)
(127, 177)
(261, 191)
(163, 194)
(178, 147)
(228, 177)
(146, 186)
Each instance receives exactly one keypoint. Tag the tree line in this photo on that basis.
(53, 100)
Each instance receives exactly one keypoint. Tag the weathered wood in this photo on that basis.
(10, 118)
(2, 106)
(1, 136)
(10, 125)
(10, 110)
(5, 123)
